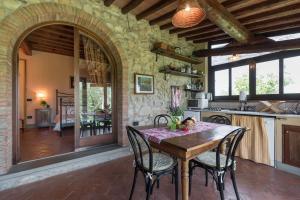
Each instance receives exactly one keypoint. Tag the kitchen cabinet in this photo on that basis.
(291, 145)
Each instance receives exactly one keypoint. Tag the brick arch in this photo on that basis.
(12, 32)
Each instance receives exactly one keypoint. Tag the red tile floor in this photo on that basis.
(39, 143)
(112, 181)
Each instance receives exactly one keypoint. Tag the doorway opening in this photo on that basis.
(66, 96)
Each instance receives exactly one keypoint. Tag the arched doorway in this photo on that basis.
(68, 78)
(25, 20)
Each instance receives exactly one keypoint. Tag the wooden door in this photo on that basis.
(291, 145)
(93, 95)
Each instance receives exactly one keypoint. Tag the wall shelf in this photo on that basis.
(170, 54)
(177, 73)
(194, 90)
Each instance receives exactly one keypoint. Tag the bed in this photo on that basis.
(65, 111)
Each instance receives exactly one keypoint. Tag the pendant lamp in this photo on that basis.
(188, 14)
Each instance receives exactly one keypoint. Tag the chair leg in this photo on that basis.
(232, 175)
(190, 177)
(176, 182)
(206, 177)
(220, 187)
(149, 188)
(134, 181)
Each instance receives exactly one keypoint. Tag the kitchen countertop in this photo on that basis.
(250, 113)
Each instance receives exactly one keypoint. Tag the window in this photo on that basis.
(222, 82)
(267, 77)
(291, 71)
(240, 79)
(273, 76)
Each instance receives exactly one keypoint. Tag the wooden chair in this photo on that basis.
(152, 165)
(159, 119)
(217, 164)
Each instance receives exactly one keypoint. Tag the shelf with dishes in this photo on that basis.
(183, 71)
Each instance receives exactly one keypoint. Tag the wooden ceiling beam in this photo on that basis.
(108, 2)
(156, 7)
(220, 16)
(230, 5)
(271, 33)
(213, 39)
(49, 33)
(49, 41)
(37, 37)
(272, 23)
(162, 18)
(206, 35)
(26, 48)
(204, 24)
(256, 48)
(260, 12)
(265, 17)
(252, 27)
(241, 4)
(282, 32)
(265, 8)
(278, 28)
(131, 5)
(199, 32)
(35, 44)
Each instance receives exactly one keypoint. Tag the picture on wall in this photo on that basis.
(144, 84)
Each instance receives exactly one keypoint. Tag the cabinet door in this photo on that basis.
(291, 145)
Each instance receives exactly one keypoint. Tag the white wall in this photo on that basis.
(46, 72)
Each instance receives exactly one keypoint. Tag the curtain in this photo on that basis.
(96, 61)
(175, 96)
(254, 145)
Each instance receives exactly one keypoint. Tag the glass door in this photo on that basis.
(94, 95)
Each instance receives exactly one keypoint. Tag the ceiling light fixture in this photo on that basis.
(188, 14)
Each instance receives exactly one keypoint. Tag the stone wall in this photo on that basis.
(131, 40)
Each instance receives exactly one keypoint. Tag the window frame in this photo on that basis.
(252, 76)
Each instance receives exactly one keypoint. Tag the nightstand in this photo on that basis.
(43, 117)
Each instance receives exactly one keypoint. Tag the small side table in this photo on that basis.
(43, 117)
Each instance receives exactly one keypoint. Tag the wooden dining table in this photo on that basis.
(186, 146)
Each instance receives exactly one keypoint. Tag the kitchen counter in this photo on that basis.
(251, 113)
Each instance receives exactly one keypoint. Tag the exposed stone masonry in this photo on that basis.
(130, 42)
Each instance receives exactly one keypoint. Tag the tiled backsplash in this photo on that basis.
(287, 107)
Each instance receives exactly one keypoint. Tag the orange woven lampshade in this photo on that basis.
(188, 14)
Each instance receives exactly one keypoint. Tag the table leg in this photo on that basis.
(185, 179)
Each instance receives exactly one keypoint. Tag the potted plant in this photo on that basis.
(44, 104)
(176, 112)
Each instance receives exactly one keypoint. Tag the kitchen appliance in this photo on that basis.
(197, 103)
(200, 95)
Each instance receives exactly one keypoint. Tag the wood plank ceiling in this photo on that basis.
(58, 39)
(260, 17)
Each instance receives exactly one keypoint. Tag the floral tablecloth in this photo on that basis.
(161, 133)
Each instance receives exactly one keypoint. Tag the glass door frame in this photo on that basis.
(99, 139)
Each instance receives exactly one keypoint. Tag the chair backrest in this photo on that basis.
(140, 148)
(162, 118)
(219, 119)
(234, 139)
